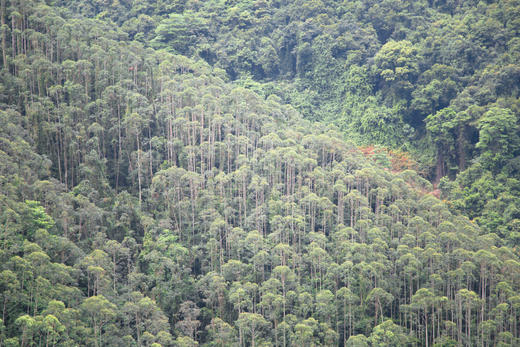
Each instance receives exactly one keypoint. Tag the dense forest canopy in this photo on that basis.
(259, 173)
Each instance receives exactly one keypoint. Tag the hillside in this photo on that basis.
(154, 193)
(438, 79)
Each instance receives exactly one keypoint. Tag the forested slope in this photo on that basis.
(438, 79)
(146, 199)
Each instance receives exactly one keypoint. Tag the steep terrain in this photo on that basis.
(438, 79)
(148, 199)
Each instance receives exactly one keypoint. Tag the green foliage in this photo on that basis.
(498, 138)
(146, 200)
(388, 334)
(180, 33)
(36, 218)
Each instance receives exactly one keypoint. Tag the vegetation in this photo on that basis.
(236, 173)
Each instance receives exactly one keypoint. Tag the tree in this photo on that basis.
(466, 300)
(447, 128)
(424, 300)
(180, 32)
(346, 299)
(324, 306)
(53, 329)
(189, 324)
(397, 64)
(379, 297)
(100, 311)
(305, 332)
(357, 341)
(222, 333)
(8, 287)
(27, 327)
(254, 323)
(498, 137)
(388, 334)
(185, 341)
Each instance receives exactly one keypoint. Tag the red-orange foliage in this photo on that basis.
(399, 160)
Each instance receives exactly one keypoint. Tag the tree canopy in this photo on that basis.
(267, 173)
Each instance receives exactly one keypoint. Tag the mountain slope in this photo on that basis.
(148, 200)
(433, 78)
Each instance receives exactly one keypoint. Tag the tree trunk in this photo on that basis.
(440, 169)
(460, 149)
(139, 168)
(4, 47)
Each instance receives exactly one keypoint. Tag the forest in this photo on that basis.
(259, 173)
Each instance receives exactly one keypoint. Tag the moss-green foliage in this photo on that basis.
(382, 71)
(146, 200)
